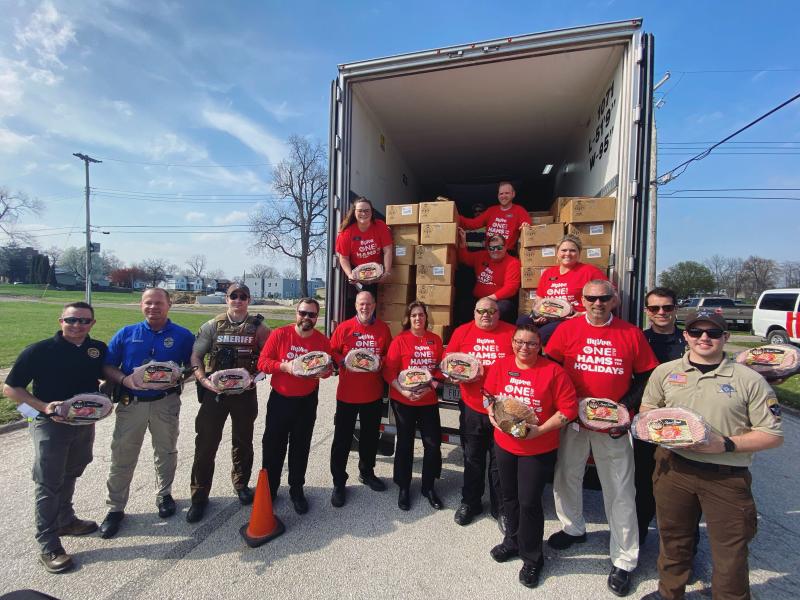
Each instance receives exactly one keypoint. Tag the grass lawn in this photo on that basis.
(789, 392)
(50, 294)
(8, 410)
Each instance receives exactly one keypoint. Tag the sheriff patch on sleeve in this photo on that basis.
(774, 408)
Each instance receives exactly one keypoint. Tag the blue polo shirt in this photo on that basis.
(135, 345)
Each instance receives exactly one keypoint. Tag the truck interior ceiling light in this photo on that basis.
(547, 169)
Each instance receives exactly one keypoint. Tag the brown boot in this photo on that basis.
(56, 562)
(78, 527)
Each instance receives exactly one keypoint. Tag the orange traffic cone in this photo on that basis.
(264, 525)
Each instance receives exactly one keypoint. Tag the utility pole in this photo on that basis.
(652, 224)
(86, 160)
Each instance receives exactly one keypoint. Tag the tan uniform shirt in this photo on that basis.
(733, 400)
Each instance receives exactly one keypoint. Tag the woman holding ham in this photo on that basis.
(415, 347)
(525, 464)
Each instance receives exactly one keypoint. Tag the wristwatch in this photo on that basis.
(730, 446)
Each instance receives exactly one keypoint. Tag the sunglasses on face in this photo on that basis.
(604, 298)
(306, 314)
(73, 320)
(696, 333)
(520, 344)
(486, 311)
(667, 308)
(235, 296)
(496, 248)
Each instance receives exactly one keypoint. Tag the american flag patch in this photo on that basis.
(677, 379)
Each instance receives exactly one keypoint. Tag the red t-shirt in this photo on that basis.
(283, 345)
(501, 278)
(601, 360)
(407, 350)
(359, 388)
(499, 221)
(488, 346)
(568, 286)
(362, 247)
(545, 387)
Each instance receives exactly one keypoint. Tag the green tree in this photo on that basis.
(688, 278)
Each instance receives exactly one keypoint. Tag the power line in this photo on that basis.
(670, 175)
(187, 165)
(660, 143)
(696, 71)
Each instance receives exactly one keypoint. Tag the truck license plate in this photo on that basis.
(451, 392)
(740, 320)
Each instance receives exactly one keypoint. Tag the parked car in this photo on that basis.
(776, 316)
(738, 316)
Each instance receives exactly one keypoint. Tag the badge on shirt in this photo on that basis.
(93, 353)
(169, 342)
(357, 238)
(774, 408)
(726, 388)
(677, 379)
(513, 373)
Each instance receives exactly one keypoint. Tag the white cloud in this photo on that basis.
(235, 216)
(47, 33)
(247, 132)
(193, 216)
(122, 107)
(11, 143)
(10, 88)
(708, 117)
(281, 111)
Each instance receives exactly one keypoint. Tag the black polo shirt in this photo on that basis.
(666, 346)
(59, 369)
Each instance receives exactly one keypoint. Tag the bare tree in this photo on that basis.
(216, 274)
(718, 265)
(54, 253)
(262, 271)
(759, 274)
(12, 207)
(73, 259)
(791, 273)
(290, 273)
(294, 224)
(196, 265)
(733, 276)
(156, 270)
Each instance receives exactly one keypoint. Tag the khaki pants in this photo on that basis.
(682, 491)
(614, 461)
(132, 421)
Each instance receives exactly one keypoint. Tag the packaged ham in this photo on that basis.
(773, 361)
(671, 427)
(312, 364)
(414, 379)
(511, 415)
(359, 360)
(460, 366)
(601, 414)
(368, 272)
(231, 381)
(552, 308)
(156, 375)
(84, 409)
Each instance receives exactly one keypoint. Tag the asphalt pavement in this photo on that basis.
(367, 549)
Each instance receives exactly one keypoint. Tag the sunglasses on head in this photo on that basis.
(73, 320)
(604, 298)
(486, 311)
(667, 308)
(235, 296)
(306, 314)
(496, 248)
(521, 343)
(696, 332)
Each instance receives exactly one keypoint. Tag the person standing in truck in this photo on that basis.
(232, 340)
(505, 218)
(364, 239)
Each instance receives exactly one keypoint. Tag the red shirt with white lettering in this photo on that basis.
(501, 278)
(408, 350)
(283, 345)
(601, 360)
(545, 387)
(569, 285)
(488, 347)
(362, 247)
(355, 387)
(499, 221)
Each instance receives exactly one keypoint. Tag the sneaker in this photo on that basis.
(529, 574)
(562, 540)
(56, 562)
(78, 527)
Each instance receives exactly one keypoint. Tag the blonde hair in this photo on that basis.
(573, 239)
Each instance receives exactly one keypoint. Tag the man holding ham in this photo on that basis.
(505, 218)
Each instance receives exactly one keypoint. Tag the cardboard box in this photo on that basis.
(440, 315)
(526, 301)
(589, 210)
(395, 293)
(531, 276)
(405, 234)
(401, 274)
(443, 331)
(593, 234)
(543, 219)
(436, 294)
(438, 233)
(391, 312)
(395, 327)
(557, 205)
(435, 274)
(538, 256)
(436, 255)
(596, 255)
(402, 214)
(441, 211)
(542, 235)
(403, 254)
(539, 213)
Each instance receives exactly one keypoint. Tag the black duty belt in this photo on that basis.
(159, 396)
(713, 467)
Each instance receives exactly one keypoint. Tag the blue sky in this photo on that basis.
(219, 85)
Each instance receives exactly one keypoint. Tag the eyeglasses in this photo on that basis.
(486, 311)
(520, 344)
(604, 298)
(696, 333)
(73, 320)
(235, 296)
(667, 308)
(305, 313)
(495, 248)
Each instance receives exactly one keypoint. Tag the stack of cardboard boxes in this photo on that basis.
(399, 289)
(537, 252)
